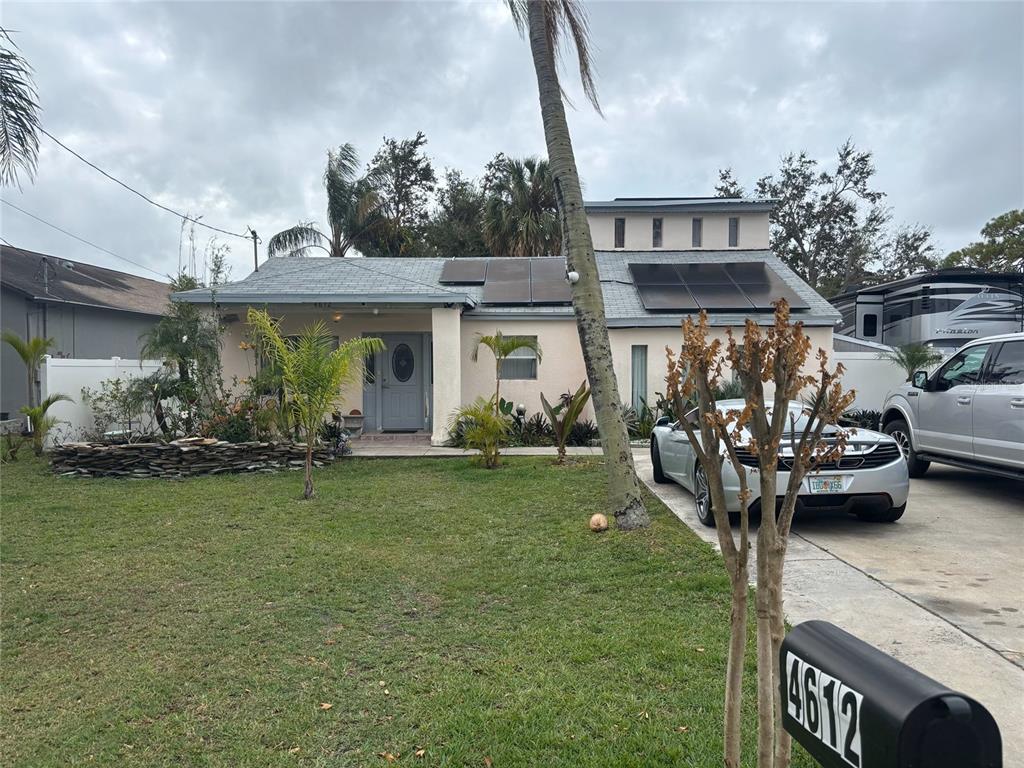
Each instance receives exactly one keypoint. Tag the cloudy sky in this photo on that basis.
(227, 109)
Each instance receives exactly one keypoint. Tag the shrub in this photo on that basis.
(483, 429)
(563, 417)
(234, 427)
(865, 419)
(583, 433)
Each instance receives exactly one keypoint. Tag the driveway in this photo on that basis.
(942, 589)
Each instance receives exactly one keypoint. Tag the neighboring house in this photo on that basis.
(429, 313)
(90, 312)
(944, 308)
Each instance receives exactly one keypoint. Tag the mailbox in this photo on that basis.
(849, 704)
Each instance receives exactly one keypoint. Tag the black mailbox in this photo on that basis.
(849, 704)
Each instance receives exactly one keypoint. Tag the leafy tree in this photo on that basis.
(821, 228)
(403, 179)
(31, 353)
(312, 373)
(502, 347)
(40, 423)
(456, 226)
(727, 185)
(352, 211)
(549, 24)
(911, 357)
(906, 252)
(1001, 250)
(19, 114)
(563, 416)
(521, 211)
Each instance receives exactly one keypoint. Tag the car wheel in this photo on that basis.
(890, 515)
(659, 474)
(900, 432)
(702, 498)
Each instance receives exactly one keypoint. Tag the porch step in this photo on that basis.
(406, 438)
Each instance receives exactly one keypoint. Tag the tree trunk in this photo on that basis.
(307, 492)
(32, 376)
(734, 669)
(783, 741)
(765, 679)
(624, 497)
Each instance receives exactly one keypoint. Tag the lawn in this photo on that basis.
(421, 612)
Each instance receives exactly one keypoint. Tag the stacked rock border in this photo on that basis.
(189, 457)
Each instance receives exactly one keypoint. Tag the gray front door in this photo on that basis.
(401, 375)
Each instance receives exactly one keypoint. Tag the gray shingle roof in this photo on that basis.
(416, 282)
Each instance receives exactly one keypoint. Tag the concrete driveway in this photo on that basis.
(942, 589)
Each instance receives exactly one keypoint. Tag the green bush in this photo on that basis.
(482, 429)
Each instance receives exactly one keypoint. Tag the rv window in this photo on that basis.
(870, 326)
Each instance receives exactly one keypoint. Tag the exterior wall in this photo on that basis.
(78, 332)
(677, 231)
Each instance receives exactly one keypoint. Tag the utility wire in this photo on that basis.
(354, 261)
(80, 239)
(184, 217)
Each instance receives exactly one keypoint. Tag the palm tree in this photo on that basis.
(520, 212)
(502, 347)
(312, 373)
(352, 210)
(19, 114)
(546, 22)
(39, 423)
(31, 353)
(911, 357)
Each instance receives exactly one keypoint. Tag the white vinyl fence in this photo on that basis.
(69, 377)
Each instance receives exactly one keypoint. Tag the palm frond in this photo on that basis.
(30, 351)
(19, 115)
(296, 240)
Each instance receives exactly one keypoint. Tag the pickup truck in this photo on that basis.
(969, 412)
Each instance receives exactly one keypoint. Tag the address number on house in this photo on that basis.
(826, 707)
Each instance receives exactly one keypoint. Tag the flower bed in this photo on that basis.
(189, 457)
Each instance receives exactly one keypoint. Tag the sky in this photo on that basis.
(226, 110)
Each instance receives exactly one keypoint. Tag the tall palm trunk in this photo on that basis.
(307, 491)
(625, 500)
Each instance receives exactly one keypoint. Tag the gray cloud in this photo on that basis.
(227, 109)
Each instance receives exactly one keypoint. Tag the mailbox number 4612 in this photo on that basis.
(825, 706)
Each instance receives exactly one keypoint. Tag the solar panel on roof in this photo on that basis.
(720, 296)
(666, 297)
(508, 282)
(770, 288)
(547, 281)
(464, 272)
(692, 274)
(654, 274)
(732, 286)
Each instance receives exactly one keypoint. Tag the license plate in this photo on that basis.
(826, 484)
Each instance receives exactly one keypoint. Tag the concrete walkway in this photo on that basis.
(823, 584)
(380, 450)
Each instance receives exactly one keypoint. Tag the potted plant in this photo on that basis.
(354, 422)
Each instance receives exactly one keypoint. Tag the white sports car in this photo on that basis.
(869, 479)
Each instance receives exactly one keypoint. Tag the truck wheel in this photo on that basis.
(900, 432)
(659, 475)
(891, 515)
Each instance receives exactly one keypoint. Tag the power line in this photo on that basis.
(184, 217)
(80, 239)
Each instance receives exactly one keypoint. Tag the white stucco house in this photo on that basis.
(659, 260)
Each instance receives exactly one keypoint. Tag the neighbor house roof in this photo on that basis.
(680, 204)
(416, 282)
(41, 277)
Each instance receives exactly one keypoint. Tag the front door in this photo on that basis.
(401, 375)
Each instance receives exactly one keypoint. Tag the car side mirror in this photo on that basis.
(920, 380)
(663, 421)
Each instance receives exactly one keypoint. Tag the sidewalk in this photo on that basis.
(388, 450)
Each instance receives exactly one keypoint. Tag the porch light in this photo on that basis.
(336, 317)
(572, 276)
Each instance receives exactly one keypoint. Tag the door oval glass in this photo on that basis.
(403, 362)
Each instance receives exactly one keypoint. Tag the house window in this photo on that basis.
(698, 232)
(869, 327)
(656, 233)
(620, 233)
(734, 231)
(639, 376)
(521, 364)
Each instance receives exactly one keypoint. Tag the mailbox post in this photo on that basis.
(850, 704)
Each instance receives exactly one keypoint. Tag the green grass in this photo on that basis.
(432, 604)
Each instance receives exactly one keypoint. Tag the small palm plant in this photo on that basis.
(564, 415)
(40, 423)
(483, 428)
(31, 353)
(911, 357)
(312, 373)
(502, 347)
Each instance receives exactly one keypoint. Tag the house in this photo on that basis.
(429, 312)
(944, 308)
(90, 312)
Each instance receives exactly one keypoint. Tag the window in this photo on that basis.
(964, 368)
(1008, 365)
(869, 326)
(698, 232)
(734, 231)
(656, 233)
(521, 364)
(620, 233)
(639, 375)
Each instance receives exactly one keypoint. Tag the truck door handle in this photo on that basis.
(1017, 402)
(963, 400)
